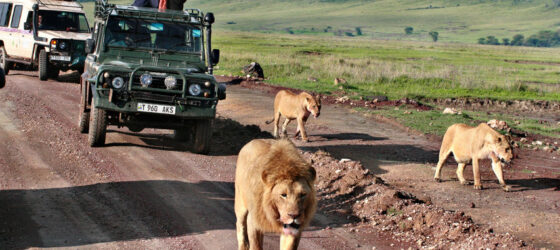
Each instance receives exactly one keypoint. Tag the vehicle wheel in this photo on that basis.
(202, 136)
(97, 126)
(3, 62)
(83, 123)
(53, 72)
(43, 66)
(2, 78)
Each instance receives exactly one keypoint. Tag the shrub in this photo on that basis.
(505, 41)
(492, 40)
(408, 30)
(358, 31)
(482, 40)
(517, 40)
(434, 35)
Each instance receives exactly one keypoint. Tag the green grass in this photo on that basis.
(435, 122)
(394, 68)
(458, 20)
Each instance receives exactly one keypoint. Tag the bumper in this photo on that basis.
(65, 60)
(187, 108)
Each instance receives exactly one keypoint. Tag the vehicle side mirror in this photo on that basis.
(209, 18)
(27, 26)
(215, 56)
(90, 46)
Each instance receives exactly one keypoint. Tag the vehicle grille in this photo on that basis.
(157, 83)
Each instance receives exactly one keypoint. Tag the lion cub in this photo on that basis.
(294, 106)
(274, 193)
(472, 144)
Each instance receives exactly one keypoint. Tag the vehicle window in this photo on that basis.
(130, 32)
(5, 11)
(62, 21)
(16, 16)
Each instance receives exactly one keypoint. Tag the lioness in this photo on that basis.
(472, 144)
(274, 193)
(294, 106)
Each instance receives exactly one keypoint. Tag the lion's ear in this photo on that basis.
(312, 174)
(266, 177)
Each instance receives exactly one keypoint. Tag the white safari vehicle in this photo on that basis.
(48, 35)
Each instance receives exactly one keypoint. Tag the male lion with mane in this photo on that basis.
(294, 107)
(274, 193)
(472, 144)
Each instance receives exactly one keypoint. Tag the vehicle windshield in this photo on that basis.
(62, 21)
(139, 33)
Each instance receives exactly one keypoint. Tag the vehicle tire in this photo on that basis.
(97, 126)
(3, 61)
(83, 123)
(202, 136)
(43, 65)
(2, 78)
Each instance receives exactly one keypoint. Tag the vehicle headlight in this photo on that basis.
(195, 89)
(62, 45)
(118, 82)
(146, 80)
(170, 82)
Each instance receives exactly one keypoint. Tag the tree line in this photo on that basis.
(545, 38)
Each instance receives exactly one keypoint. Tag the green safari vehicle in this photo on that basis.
(148, 68)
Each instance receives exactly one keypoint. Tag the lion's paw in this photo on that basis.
(478, 187)
(437, 179)
(506, 188)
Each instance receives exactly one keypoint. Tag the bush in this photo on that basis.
(482, 40)
(505, 41)
(434, 35)
(492, 40)
(358, 31)
(517, 40)
(408, 30)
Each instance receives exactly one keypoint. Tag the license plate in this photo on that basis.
(60, 58)
(156, 108)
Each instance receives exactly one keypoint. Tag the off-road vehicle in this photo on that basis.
(48, 35)
(150, 68)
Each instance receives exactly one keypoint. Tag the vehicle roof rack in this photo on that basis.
(103, 9)
(51, 3)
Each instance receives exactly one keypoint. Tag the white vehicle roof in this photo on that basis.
(71, 6)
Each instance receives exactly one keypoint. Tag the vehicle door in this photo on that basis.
(6, 34)
(17, 49)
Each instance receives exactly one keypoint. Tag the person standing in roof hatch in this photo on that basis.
(160, 4)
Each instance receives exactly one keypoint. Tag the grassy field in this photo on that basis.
(395, 68)
(455, 20)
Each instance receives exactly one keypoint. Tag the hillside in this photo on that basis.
(456, 21)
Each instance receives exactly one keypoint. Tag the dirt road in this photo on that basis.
(137, 192)
(144, 191)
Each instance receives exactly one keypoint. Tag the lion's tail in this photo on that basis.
(269, 122)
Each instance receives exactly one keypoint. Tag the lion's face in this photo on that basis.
(503, 149)
(314, 105)
(291, 199)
